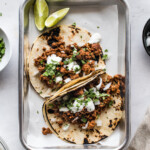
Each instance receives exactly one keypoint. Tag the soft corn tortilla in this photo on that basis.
(69, 37)
(110, 118)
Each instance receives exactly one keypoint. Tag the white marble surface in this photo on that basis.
(140, 79)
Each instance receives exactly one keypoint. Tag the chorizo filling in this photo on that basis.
(61, 64)
(84, 105)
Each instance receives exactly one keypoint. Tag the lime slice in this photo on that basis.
(54, 18)
(40, 13)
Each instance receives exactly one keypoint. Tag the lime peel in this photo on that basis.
(55, 17)
(41, 12)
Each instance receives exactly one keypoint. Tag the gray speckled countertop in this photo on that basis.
(140, 73)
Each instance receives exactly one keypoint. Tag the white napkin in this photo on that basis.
(141, 140)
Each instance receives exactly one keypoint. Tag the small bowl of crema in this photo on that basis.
(146, 37)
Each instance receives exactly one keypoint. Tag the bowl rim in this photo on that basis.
(143, 36)
(10, 50)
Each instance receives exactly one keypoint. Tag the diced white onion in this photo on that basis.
(86, 125)
(90, 106)
(99, 85)
(58, 79)
(67, 80)
(107, 86)
(66, 127)
(63, 109)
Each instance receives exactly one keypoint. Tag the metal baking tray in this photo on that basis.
(113, 18)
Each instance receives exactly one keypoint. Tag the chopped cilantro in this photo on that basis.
(2, 48)
(0, 14)
(41, 62)
(41, 92)
(60, 82)
(74, 24)
(84, 49)
(96, 100)
(81, 36)
(105, 56)
(51, 105)
(110, 103)
(83, 62)
(37, 112)
(104, 69)
(77, 69)
(50, 70)
(106, 50)
(97, 27)
(84, 120)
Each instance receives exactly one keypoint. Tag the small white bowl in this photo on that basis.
(8, 52)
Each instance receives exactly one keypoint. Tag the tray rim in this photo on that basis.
(125, 144)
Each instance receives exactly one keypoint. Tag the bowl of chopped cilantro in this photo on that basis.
(5, 51)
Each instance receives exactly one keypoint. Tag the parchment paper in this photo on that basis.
(106, 18)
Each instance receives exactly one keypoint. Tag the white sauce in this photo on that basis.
(53, 119)
(76, 67)
(54, 58)
(98, 122)
(77, 107)
(63, 109)
(58, 79)
(107, 86)
(90, 106)
(66, 127)
(95, 38)
(67, 80)
(86, 125)
(148, 41)
(100, 84)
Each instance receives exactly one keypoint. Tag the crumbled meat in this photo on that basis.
(85, 58)
(46, 131)
(91, 124)
(78, 92)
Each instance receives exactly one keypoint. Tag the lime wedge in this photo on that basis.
(40, 13)
(55, 17)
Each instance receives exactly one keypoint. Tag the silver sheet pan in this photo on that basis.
(88, 13)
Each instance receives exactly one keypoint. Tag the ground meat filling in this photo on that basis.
(46, 131)
(75, 61)
(85, 116)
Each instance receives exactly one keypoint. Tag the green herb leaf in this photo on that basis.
(83, 62)
(0, 14)
(105, 56)
(41, 92)
(110, 103)
(51, 105)
(98, 27)
(84, 120)
(74, 24)
(106, 50)
(37, 112)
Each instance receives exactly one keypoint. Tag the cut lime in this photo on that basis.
(40, 13)
(54, 18)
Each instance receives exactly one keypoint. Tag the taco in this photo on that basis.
(88, 113)
(63, 54)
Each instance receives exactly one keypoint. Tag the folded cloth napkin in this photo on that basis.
(141, 140)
